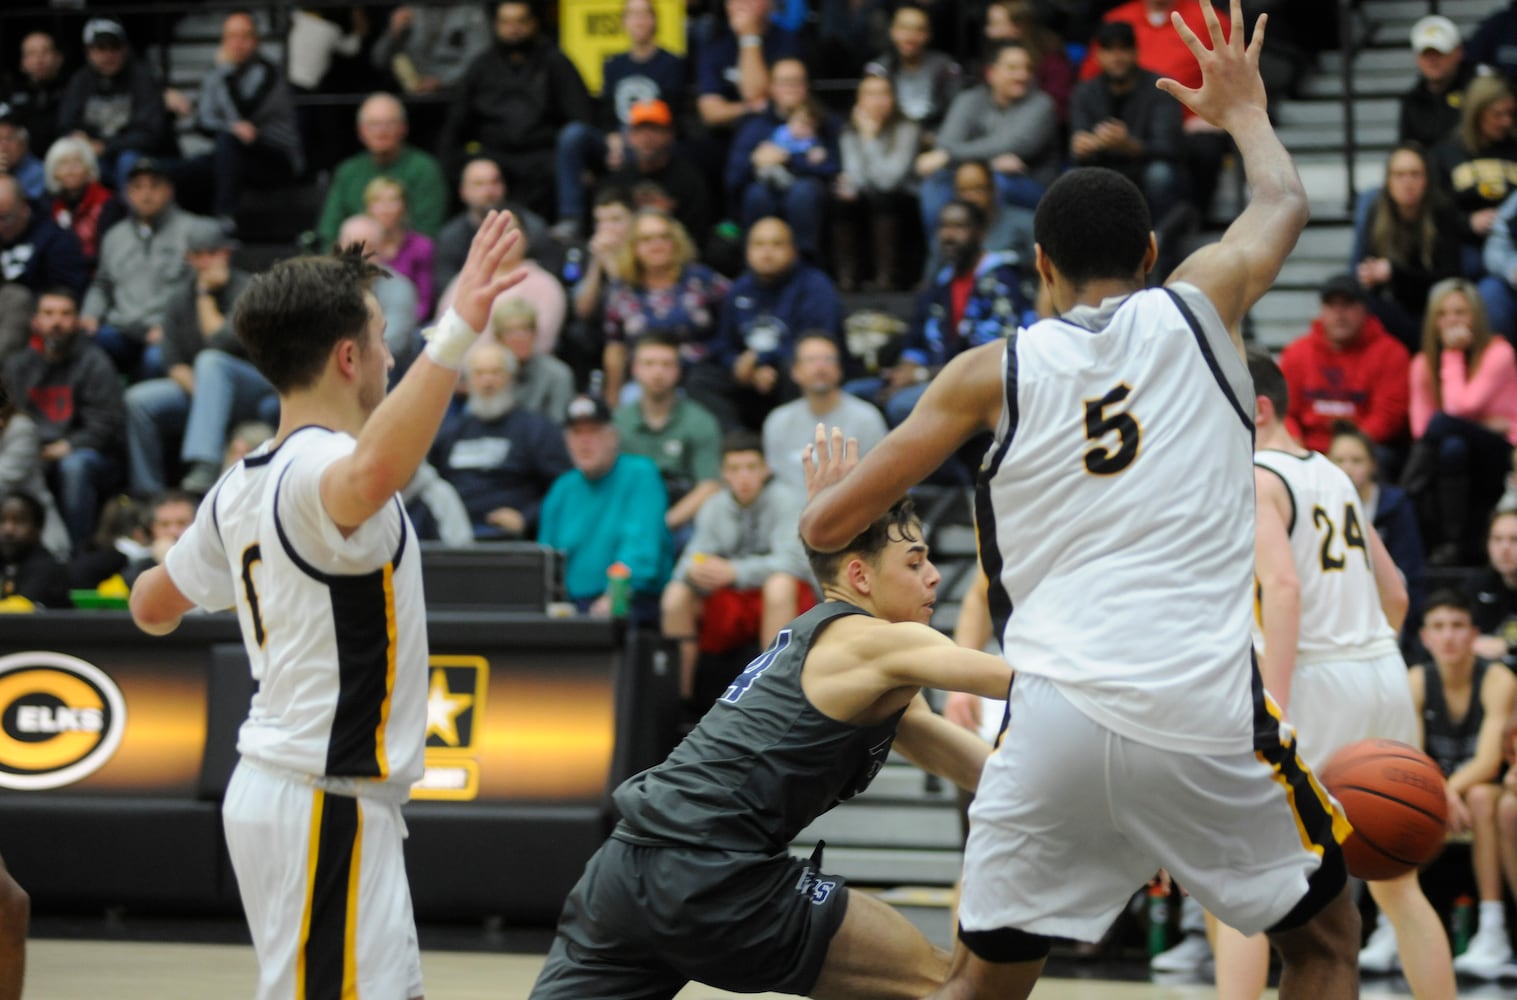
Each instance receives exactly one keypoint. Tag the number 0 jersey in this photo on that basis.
(1341, 618)
(1116, 518)
(334, 627)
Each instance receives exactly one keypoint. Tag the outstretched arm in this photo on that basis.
(397, 436)
(934, 744)
(964, 399)
(1236, 272)
(1279, 586)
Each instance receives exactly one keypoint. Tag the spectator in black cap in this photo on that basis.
(1121, 120)
(16, 157)
(34, 254)
(36, 90)
(608, 510)
(112, 101)
(141, 265)
(1347, 367)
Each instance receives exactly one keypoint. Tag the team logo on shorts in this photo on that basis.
(817, 888)
(61, 719)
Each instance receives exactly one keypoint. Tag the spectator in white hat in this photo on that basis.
(1430, 110)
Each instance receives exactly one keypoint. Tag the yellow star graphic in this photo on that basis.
(444, 708)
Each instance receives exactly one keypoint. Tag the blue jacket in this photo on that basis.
(759, 127)
(510, 462)
(768, 317)
(996, 306)
(617, 518)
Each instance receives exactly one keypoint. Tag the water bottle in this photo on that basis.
(619, 587)
(573, 265)
(1158, 919)
(1462, 923)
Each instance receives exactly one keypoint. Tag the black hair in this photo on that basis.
(741, 439)
(59, 292)
(1269, 380)
(975, 212)
(656, 338)
(167, 497)
(614, 194)
(898, 523)
(816, 334)
(1448, 597)
(1093, 224)
(31, 503)
(290, 317)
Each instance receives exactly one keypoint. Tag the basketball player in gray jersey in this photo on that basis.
(1115, 511)
(696, 882)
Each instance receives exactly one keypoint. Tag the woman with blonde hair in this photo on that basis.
(78, 201)
(401, 248)
(1477, 164)
(1464, 419)
(662, 287)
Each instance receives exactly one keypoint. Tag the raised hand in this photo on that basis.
(1230, 82)
(483, 278)
(828, 462)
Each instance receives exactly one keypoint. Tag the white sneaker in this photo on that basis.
(1188, 956)
(1379, 954)
(1488, 952)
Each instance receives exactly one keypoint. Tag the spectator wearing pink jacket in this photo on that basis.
(1464, 418)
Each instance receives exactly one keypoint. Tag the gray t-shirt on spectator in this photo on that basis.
(790, 428)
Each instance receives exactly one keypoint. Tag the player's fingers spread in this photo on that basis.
(1186, 35)
(851, 450)
(1213, 24)
(1236, 37)
(1256, 43)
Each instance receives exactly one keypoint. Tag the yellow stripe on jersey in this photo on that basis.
(384, 707)
(313, 854)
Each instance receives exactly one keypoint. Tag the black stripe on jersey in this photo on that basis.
(362, 617)
(1288, 492)
(328, 960)
(255, 461)
(1211, 358)
(216, 513)
(985, 515)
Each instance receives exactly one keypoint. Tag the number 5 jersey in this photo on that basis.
(1116, 518)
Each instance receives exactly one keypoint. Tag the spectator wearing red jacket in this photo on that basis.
(1347, 367)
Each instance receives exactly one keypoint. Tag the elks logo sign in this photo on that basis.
(61, 719)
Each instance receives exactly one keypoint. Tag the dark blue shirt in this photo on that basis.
(624, 82)
(758, 128)
(768, 317)
(996, 306)
(716, 70)
(44, 255)
(508, 462)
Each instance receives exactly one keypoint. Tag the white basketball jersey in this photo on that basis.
(1341, 618)
(335, 628)
(1116, 515)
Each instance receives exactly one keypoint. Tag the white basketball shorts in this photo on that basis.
(1071, 819)
(323, 883)
(1333, 704)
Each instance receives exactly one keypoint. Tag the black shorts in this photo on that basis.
(643, 921)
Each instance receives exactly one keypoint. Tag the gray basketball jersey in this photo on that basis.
(763, 763)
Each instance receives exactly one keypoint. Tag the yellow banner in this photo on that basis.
(591, 30)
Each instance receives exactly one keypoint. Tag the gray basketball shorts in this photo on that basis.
(643, 921)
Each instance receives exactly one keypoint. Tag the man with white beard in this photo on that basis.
(499, 457)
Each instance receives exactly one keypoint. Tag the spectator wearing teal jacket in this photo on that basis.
(609, 509)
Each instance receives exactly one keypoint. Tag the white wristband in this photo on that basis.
(450, 340)
(750, 41)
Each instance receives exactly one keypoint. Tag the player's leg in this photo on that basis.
(876, 952)
(267, 825)
(15, 913)
(1318, 958)
(571, 975)
(379, 930)
(1489, 949)
(1426, 961)
(1506, 831)
(1242, 961)
(972, 977)
(680, 609)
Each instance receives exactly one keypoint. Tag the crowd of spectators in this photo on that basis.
(689, 234)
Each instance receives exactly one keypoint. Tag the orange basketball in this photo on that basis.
(1394, 796)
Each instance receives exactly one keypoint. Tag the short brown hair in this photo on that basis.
(291, 316)
(898, 523)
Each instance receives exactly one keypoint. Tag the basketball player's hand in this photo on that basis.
(828, 460)
(1231, 87)
(963, 710)
(482, 279)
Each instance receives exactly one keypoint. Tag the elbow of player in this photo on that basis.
(376, 478)
(817, 534)
(149, 618)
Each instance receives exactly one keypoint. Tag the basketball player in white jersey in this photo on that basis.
(1115, 510)
(308, 540)
(1331, 603)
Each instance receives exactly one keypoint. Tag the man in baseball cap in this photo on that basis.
(112, 101)
(1431, 109)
